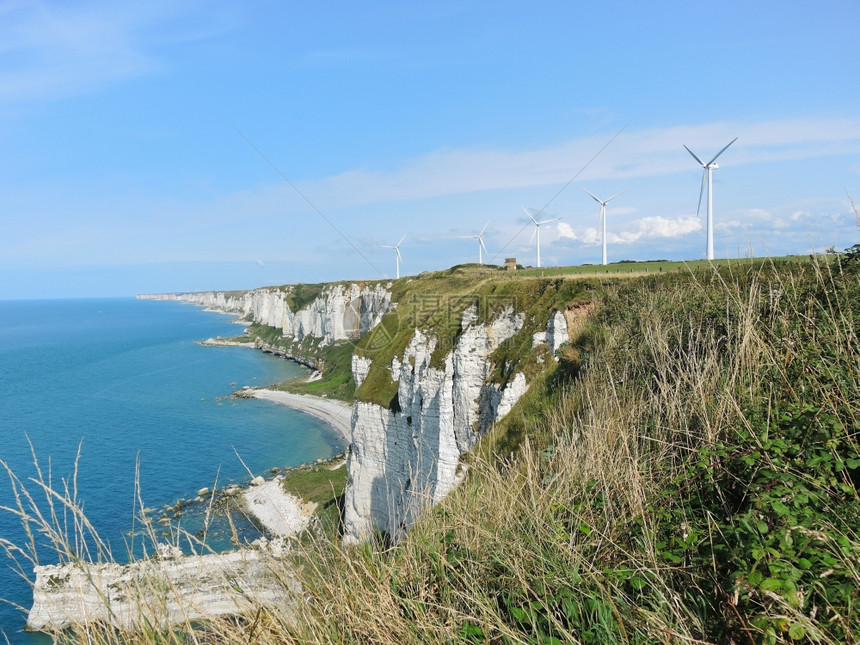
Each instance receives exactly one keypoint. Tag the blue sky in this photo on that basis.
(125, 165)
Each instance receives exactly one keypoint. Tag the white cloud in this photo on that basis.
(652, 227)
(729, 225)
(666, 227)
(565, 230)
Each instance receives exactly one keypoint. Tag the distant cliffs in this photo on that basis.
(337, 312)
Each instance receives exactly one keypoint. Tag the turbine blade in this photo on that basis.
(702, 190)
(399, 257)
(592, 196)
(483, 246)
(547, 221)
(485, 228)
(402, 238)
(615, 195)
(534, 232)
(527, 212)
(722, 151)
(701, 163)
(386, 246)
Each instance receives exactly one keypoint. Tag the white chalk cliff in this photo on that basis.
(168, 590)
(339, 312)
(402, 461)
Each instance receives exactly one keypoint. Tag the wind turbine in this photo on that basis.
(602, 215)
(707, 168)
(537, 230)
(480, 238)
(398, 258)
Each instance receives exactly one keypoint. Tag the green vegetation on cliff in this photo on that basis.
(334, 362)
(434, 304)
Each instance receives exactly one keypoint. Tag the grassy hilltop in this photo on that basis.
(687, 472)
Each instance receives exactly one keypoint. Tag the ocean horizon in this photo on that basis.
(125, 384)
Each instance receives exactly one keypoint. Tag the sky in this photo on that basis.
(184, 146)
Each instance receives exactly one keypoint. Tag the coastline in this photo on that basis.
(281, 513)
(337, 414)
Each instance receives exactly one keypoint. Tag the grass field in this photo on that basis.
(635, 268)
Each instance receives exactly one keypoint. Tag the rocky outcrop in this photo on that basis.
(339, 312)
(556, 333)
(404, 459)
(360, 368)
(167, 590)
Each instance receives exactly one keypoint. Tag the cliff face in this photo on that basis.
(339, 312)
(402, 461)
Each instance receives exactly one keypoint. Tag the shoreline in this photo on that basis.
(338, 414)
(281, 513)
(223, 342)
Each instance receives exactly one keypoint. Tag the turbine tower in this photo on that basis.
(397, 257)
(480, 238)
(602, 216)
(707, 168)
(537, 230)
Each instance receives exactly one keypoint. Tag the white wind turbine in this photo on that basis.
(707, 168)
(480, 238)
(537, 230)
(398, 258)
(602, 215)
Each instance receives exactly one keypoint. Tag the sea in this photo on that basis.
(116, 401)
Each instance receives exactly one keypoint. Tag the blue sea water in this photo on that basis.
(125, 382)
